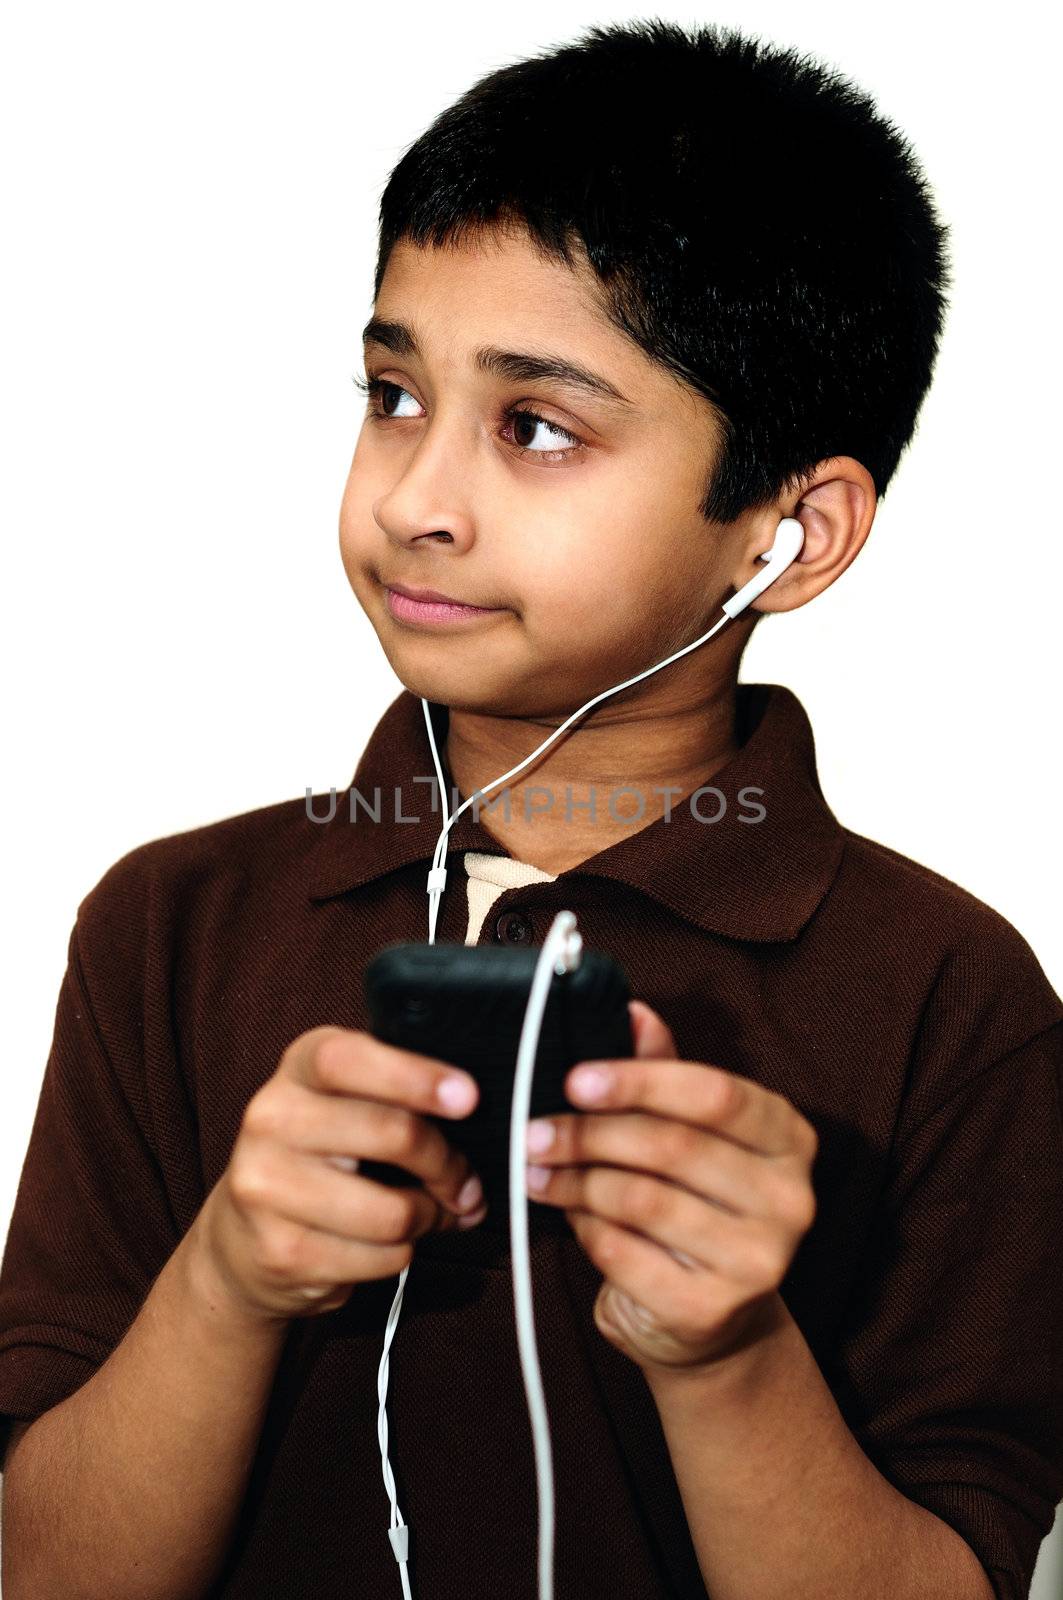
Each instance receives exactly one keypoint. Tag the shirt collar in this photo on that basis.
(758, 880)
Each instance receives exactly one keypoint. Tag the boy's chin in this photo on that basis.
(448, 671)
(471, 696)
(468, 686)
(468, 679)
(480, 675)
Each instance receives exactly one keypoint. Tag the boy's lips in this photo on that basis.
(428, 605)
(434, 594)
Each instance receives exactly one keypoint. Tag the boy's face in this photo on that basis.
(581, 530)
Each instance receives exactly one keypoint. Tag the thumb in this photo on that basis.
(652, 1035)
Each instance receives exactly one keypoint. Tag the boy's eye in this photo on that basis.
(524, 423)
(384, 391)
(530, 422)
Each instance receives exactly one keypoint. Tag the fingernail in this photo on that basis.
(474, 1219)
(455, 1094)
(471, 1194)
(345, 1163)
(540, 1137)
(590, 1083)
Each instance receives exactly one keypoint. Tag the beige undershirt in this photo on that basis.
(488, 877)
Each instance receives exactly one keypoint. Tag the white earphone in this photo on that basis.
(560, 953)
(786, 547)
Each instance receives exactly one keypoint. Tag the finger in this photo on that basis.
(652, 1035)
(741, 1249)
(710, 1166)
(635, 1265)
(350, 1061)
(342, 1130)
(325, 1268)
(650, 1276)
(707, 1096)
(674, 1309)
(300, 1188)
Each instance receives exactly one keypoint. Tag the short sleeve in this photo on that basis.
(91, 1226)
(950, 1366)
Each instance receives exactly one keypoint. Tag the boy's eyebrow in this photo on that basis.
(518, 366)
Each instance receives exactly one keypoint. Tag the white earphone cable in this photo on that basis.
(561, 932)
(437, 877)
(560, 953)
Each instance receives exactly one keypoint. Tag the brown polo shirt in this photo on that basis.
(908, 1021)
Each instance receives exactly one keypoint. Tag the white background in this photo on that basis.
(189, 207)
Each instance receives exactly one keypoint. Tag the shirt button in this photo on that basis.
(513, 928)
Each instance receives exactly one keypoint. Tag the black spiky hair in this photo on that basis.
(756, 227)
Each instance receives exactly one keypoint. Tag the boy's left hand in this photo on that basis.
(711, 1170)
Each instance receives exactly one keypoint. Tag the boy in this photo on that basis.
(636, 301)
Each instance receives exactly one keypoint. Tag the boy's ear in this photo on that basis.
(836, 510)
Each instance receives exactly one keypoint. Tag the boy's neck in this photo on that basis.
(672, 745)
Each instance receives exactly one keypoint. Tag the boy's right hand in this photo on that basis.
(290, 1226)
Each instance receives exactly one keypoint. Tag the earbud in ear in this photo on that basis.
(789, 537)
